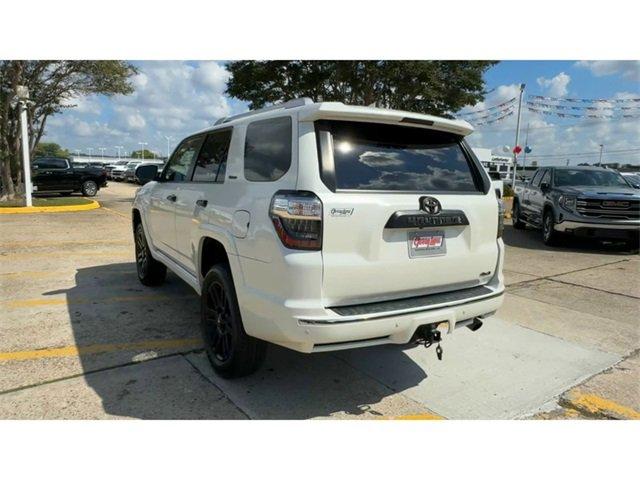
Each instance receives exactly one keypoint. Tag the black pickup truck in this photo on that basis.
(61, 176)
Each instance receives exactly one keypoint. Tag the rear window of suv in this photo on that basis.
(369, 156)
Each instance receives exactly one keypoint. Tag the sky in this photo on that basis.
(175, 98)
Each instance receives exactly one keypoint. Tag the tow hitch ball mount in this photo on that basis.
(427, 335)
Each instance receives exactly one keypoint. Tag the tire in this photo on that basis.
(549, 235)
(231, 351)
(150, 271)
(89, 188)
(518, 224)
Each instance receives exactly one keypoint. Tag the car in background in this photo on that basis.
(633, 178)
(61, 175)
(590, 202)
(117, 173)
(110, 166)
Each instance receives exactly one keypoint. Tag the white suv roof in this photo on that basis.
(310, 111)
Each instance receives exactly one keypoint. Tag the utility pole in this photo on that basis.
(526, 145)
(142, 145)
(601, 149)
(23, 100)
(515, 155)
(168, 145)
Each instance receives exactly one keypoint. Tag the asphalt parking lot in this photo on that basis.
(80, 337)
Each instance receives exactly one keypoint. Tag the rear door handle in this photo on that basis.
(172, 198)
(202, 203)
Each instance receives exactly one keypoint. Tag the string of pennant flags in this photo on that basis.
(587, 108)
(581, 107)
(476, 113)
(586, 100)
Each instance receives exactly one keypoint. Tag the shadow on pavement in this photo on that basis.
(118, 322)
(530, 238)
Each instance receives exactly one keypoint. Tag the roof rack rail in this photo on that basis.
(296, 102)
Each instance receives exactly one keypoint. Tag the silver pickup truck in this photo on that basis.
(588, 202)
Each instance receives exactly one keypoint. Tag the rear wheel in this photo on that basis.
(518, 224)
(89, 188)
(150, 272)
(549, 234)
(231, 351)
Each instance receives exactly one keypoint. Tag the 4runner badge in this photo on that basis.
(341, 212)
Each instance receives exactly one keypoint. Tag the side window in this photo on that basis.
(180, 162)
(546, 178)
(267, 149)
(51, 163)
(536, 178)
(212, 160)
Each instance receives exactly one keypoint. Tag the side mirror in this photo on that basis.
(544, 186)
(146, 173)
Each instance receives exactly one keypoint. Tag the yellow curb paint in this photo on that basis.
(57, 209)
(39, 302)
(598, 405)
(74, 351)
(418, 416)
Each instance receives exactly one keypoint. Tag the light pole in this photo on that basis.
(142, 145)
(90, 152)
(601, 149)
(168, 145)
(102, 149)
(118, 147)
(22, 93)
(515, 155)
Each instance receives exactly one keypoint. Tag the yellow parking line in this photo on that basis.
(111, 210)
(73, 350)
(8, 256)
(418, 416)
(52, 273)
(62, 243)
(601, 406)
(39, 302)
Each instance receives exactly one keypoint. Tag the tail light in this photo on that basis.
(297, 218)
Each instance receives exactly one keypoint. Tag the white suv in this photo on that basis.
(323, 226)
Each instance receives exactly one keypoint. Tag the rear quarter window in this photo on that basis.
(267, 149)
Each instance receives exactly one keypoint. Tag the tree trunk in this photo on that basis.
(8, 189)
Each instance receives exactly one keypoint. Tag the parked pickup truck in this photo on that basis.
(61, 176)
(582, 201)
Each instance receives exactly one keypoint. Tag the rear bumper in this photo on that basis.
(620, 231)
(327, 330)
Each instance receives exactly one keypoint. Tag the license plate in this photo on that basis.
(426, 243)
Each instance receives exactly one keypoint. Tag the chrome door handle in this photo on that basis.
(172, 198)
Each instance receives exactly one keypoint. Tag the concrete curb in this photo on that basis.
(62, 208)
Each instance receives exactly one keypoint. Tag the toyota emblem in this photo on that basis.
(430, 205)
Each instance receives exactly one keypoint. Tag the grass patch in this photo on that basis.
(58, 201)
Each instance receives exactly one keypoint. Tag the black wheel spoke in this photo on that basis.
(218, 321)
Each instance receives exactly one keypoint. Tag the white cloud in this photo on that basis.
(627, 69)
(172, 98)
(556, 86)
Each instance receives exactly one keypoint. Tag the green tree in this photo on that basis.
(53, 85)
(50, 149)
(148, 154)
(435, 87)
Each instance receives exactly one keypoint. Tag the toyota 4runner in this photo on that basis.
(322, 226)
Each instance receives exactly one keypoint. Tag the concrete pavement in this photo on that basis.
(81, 338)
